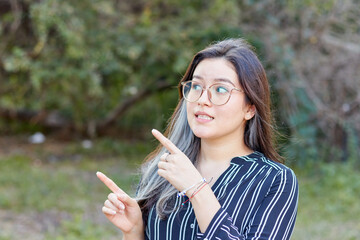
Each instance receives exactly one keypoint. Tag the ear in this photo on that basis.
(250, 112)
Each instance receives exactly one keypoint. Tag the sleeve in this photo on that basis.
(274, 218)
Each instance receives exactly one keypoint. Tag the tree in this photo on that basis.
(313, 52)
(81, 65)
(89, 66)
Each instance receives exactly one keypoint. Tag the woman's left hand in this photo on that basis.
(175, 166)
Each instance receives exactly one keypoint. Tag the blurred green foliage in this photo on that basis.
(74, 63)
(84, 58)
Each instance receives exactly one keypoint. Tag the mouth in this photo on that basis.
(203, 116)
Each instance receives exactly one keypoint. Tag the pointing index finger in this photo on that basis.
(165, 141)
(109, 183)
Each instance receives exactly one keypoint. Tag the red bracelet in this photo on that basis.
(192, 195)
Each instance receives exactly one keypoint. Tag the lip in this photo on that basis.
(203, 120)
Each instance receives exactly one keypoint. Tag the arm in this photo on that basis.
(274, 219)
(177, 168)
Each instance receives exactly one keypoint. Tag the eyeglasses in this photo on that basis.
(218, 93)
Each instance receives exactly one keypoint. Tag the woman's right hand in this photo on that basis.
(122, 210)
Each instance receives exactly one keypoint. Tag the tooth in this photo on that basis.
(204, 117)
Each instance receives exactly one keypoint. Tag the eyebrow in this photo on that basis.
(215, 79)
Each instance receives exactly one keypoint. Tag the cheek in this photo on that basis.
(189, 109)
(188, 114)
(232, 112)
(225, 114)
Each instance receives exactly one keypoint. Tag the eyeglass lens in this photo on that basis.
(218, 93)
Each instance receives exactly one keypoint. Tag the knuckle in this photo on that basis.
(124, 197)
(173, 160)
(160, 172)
(111, 196)
(103, 209)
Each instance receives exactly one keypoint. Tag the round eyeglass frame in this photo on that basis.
(208, 92)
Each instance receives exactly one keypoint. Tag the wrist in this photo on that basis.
(133, 236)
(199, 187)
(192, 188)
(205, 196)
(136, 234)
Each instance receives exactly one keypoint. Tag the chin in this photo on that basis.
(203, 134)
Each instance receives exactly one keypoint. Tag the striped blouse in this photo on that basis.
(258, 199)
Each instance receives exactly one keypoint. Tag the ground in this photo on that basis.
(33, 217)
(50, 191)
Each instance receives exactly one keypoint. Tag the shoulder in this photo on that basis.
(261, 160)
(258, 162)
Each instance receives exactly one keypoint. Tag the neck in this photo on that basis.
(220, 150)
(215, 156)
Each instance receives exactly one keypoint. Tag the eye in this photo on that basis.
(196, 86)
(221, 89)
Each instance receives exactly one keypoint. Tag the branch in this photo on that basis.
(339, 43)
(122, 107)
(19, 115)
(42, 118)
(53, 120)
(9, 36)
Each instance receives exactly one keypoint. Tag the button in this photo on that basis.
(192, 225)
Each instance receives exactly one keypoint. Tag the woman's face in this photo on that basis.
(212, 122)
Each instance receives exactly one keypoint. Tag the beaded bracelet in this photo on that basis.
(182, 193)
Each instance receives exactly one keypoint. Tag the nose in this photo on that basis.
(205, 98)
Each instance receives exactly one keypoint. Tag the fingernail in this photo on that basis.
(113, 212)
(122, 207)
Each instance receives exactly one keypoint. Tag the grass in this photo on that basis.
(59, 189)
(329, 202)
(57, 196)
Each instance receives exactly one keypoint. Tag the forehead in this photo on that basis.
(216, 69)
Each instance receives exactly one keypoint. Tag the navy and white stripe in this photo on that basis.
(258, 199)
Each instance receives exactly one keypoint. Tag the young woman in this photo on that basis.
(216, 175)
